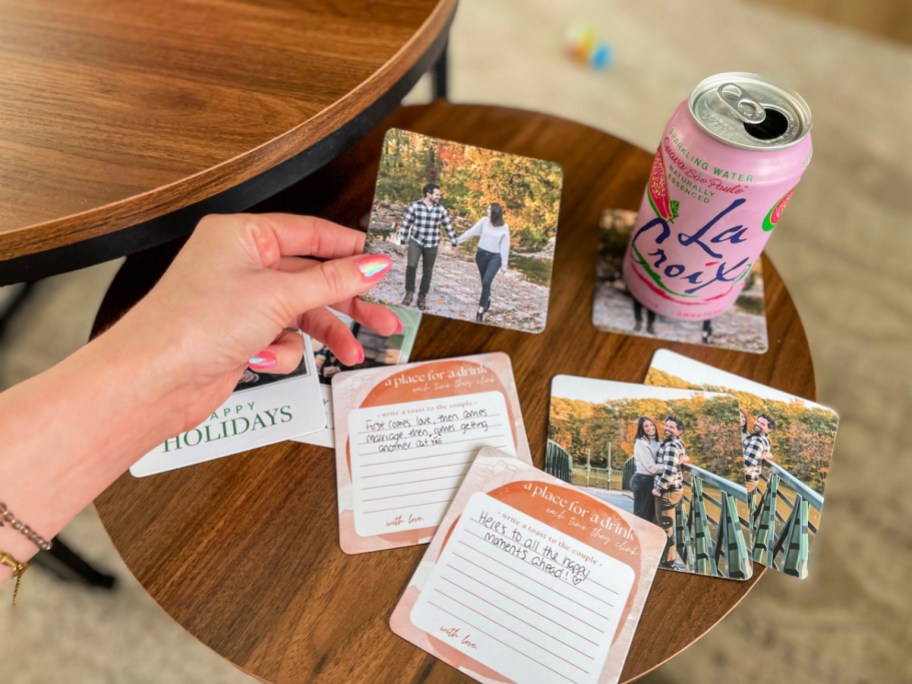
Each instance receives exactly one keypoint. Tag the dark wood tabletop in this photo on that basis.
(113, 115)
(243, 551)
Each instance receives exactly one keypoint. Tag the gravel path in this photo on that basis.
(456, 287)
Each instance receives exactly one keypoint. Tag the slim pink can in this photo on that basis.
(726, 167)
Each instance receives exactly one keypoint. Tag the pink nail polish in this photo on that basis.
(400, 326)
(373, 265)
(263, 360)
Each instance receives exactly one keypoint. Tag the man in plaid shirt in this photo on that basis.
(757, 449)
(669, 485)
(421, 232)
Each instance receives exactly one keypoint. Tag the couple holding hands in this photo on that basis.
(420, 232)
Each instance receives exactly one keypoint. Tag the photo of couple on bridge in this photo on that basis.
(670, 456)
(470, 231)
(787, 443)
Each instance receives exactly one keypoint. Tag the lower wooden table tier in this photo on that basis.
(243, 552)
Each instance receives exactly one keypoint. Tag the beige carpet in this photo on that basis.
(843, 248)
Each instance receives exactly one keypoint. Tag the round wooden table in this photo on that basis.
(243, 551)
(121, 124)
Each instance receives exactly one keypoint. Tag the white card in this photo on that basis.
(274, 409)
(408, 462)
(405, 438)
(547, 603)
(529, 579)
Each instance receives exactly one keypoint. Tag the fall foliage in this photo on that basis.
(804, 437)
(712, 438)
(470, 178)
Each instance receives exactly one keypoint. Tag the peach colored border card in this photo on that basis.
(405, 437)
(529, 579)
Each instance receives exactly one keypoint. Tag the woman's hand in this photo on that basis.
(235, 287)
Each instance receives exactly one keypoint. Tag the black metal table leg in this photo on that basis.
(68, 565)
(441, 72)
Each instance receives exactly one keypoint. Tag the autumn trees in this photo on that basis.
(470, 178)
(711, 438)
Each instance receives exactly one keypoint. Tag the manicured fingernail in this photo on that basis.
(263, 360)
(361, 355)
(400, 326)
(373, 265)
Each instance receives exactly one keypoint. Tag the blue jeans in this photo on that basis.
(643, 500)
(488, 265)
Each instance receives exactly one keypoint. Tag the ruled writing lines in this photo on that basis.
(535, 606)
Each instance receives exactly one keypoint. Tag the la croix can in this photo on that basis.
(727, 165)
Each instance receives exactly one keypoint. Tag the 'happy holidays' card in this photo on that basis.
(264, 409)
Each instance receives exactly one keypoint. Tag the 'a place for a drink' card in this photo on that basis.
(529, 579)
(405, 438)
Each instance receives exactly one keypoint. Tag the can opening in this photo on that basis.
(774, 125)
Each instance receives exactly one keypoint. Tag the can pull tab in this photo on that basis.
(745, 107)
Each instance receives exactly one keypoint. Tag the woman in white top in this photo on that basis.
(645, 448)
(493, 252)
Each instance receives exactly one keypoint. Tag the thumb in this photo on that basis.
(334, 281)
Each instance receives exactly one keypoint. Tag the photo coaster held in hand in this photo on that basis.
(379, 350)
(787, 442)
(669, 456)
(471, 231)
(741, 327)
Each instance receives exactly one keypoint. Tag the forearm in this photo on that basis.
(666, 478)
(174, 357)
(404, 230)
(474, 231)
(72, 430)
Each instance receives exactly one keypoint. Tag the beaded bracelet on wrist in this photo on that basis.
(7, 518)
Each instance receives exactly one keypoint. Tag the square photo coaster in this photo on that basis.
(471, 231)
(378, 351)
(671, 457)
(741, 327)
(406, 436)
(530, 580)
(787, 442)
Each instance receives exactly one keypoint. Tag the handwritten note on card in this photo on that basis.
(408, 460)
(406, 437)
(523, 598)
(529, 579)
